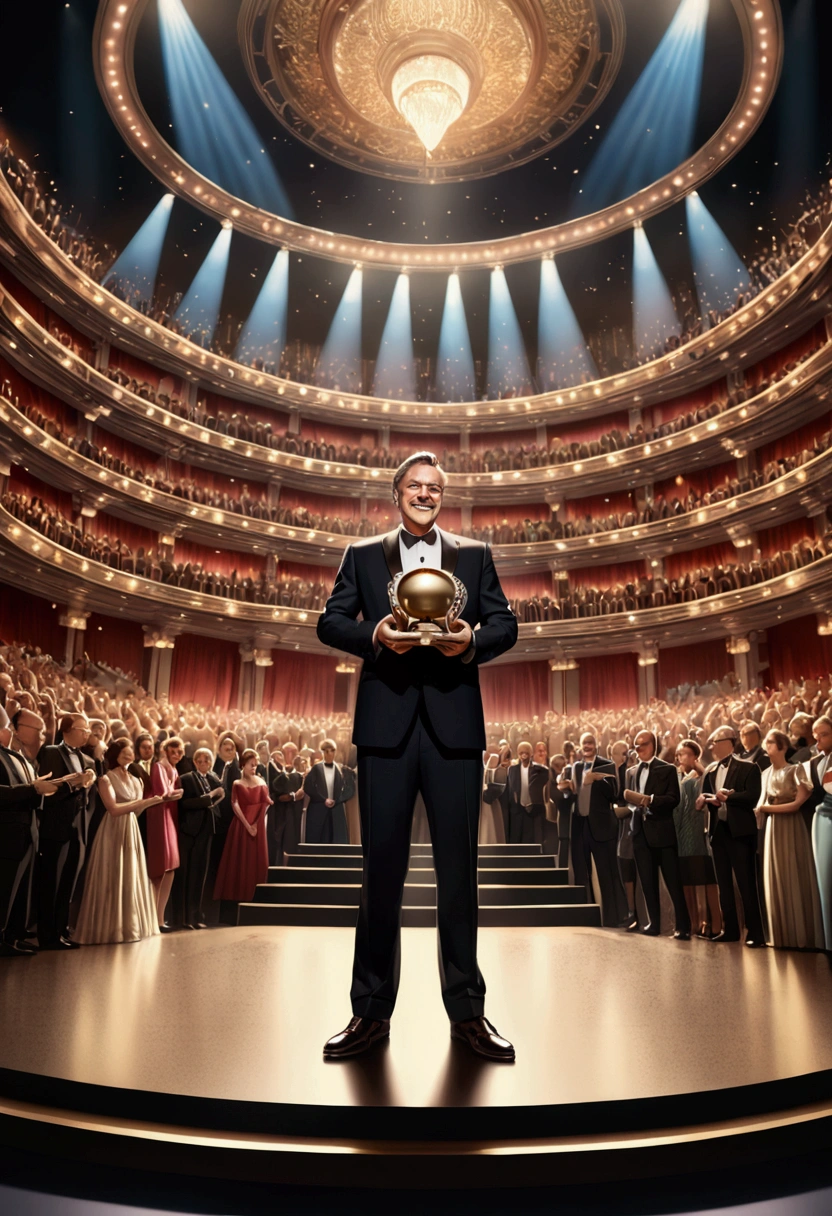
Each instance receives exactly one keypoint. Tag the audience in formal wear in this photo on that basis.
(594, 829)
(329, 788)
(245, 857)
(198, 813)
(526, 793)
(118, 903)
(162, 834)
(820, 772)
(696, 865)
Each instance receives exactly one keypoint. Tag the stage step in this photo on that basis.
(485, 850)
(334, 915)
(490, 877)
(507, 860)
(415, 894)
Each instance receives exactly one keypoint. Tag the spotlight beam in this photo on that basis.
(455, 374)
(264, 333)
(508, 365)
(654, 314)
(339, 364)
(718, 270)
(199, 310)
(138, 263)
(395, 372)
(563, 358)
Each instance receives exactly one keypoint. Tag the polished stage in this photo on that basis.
(200, 1052)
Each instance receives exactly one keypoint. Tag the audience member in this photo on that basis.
(328, 788)
(198, 813)
(594, 829)
(821, 775)
(696, 865)
(245, 858)
(162, 834)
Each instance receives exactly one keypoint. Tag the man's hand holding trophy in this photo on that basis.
(425, 611)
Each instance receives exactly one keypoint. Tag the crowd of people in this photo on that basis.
(302, 360)
(124, 816)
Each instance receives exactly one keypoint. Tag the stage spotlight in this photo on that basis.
(395, 374)
(138, 264)
(455, 378)
(563, 358)
(654, 129)
(213, 131)
(654, 316)
(508, 366)
(199, 310)
(718, 269)
(339, 363)
(264, 333)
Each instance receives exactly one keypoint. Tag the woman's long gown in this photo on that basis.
(245, 858)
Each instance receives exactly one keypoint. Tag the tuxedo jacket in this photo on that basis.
(287, 781)
(656, 820)
(58, 811)
(745, 780)
(602, 820)
(17, 802)
(757, 755)
(817, 785)
(195, 806)
(538, 780)
(314, 784)
(392, 685)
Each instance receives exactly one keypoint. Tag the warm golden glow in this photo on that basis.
(431, 92)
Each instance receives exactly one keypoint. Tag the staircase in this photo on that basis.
(519, 885)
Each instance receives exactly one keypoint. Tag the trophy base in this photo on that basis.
(426, 633)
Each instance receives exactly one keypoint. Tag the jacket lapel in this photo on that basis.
(392, 554)
(450, 551)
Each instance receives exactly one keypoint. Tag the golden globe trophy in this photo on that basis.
(425, 604)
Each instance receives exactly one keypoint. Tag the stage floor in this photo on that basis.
(615, 1033)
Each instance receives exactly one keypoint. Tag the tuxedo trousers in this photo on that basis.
(276, 827)
(326, 824)
(15, 893)
(736, 856)
(58, 866)
(190, 878)
(450, 782)
(650, 860)
(526, 826)
(584, 849)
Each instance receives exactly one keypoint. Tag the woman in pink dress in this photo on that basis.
(162, 826)
(245, 858)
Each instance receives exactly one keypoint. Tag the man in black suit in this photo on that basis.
(276, 816)
(526, 787)
(288, 796)
(820, 764)
(21, 795)
(730, 792)
(326, 816)
(752, 746)
(419, 728)
(198, 814)
(652, 790)
(594, 830)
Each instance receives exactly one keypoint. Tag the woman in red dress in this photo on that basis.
(245, 858)
(162, 826)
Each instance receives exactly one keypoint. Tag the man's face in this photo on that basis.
(290, 754)
(277, 757)
(228, 751)
(420, 497)
(643, 744)
(146, 749)
(79, 734)
(588, 747)
(541, 754)
(619, 754)
(750, 739)
(174, 754)
(31, 732)
(722, 748)
(524, 754)
(202, 762)
(97, 731)
(329, 754)
(823, 737)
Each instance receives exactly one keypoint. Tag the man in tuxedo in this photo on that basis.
(276, 816)
(652, 790)
(62, 831)
(526, 788)
(21, 795)
(752, 746)
(618, 754)
(288, 795)
(419, 728)
(594, 829)
(730, 793)
(326, 816)
(198, 814)
(820, 764)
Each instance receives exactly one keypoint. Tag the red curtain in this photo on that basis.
(481, 441)
(221, 560)
(609, 682)
(522, 586)
(321, 431)
(300, 683)
(796, 350)
(215, 403)
(607, 576)
(775, 540)
(27, 299)
(115, 641)
(32, 394)
(805, 436)
(700, 481)
(205, 670)
(676, 565)
(686, 404)
(599, 505)
(512, 513)
(592, 428)
(696, 663)
(21, 482)
(123, 449)
(796, 651)
(32, 621)
(120, 529)
(139, 370)
(515, 692)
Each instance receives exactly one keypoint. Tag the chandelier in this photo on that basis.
(432, 89)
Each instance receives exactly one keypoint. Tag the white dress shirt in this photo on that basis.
(420, 555)
(525, 800)
(329, 778)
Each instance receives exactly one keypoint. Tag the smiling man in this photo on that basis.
(418, 728)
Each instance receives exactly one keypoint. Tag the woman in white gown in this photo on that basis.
(118, 903)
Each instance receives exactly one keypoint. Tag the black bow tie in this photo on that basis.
(410, 540)
(328, 764)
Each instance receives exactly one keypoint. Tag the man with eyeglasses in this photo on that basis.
(418, 728)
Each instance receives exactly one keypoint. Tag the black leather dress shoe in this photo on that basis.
(633, 927)
(681, 935)
(166, 928)
(12, 950)
(483, 1039)
(360, 1035)
(754, 943)
(650, 931)
(725, 937)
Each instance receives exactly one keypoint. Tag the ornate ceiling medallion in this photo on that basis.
(432, 90)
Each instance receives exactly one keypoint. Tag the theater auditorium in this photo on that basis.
(415, 485)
